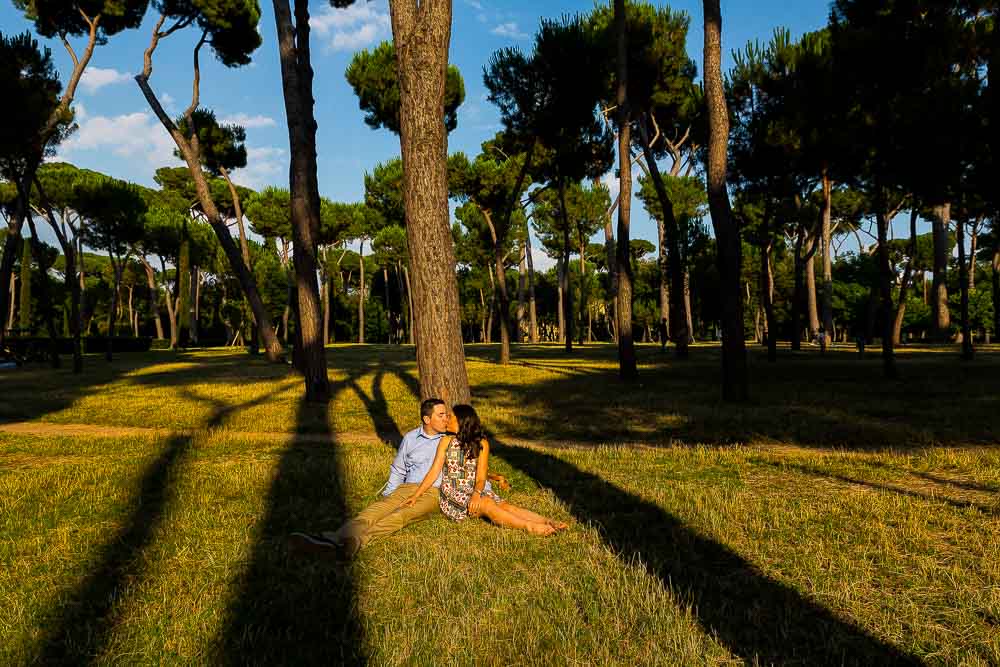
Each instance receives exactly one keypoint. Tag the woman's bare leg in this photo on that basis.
(531, 516)
(499, 515)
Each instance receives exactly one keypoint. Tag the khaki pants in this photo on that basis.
(385, 516)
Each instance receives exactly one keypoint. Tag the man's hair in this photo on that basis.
(427, 407)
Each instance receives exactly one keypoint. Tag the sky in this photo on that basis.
(119, 136)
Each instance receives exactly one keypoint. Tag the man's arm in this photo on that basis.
(397, 471)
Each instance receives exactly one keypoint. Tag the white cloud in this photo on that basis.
(169, 103)
(352, 28)
(95, 78)
(509, 29)
(266, 165)
(247, 121)
(475, 4)
(132, 136)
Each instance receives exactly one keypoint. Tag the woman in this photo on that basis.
(465, 460)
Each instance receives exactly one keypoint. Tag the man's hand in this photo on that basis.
(410, 502)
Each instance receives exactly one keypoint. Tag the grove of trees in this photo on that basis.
(815, 154)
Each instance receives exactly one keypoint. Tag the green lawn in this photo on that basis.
(836, 519)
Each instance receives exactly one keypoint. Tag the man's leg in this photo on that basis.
(369, 516)
(400, 517)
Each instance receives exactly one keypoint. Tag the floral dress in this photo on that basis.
(457, 482)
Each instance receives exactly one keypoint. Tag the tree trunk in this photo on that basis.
(326, 310)
(811, 306)
(493, 303)
(885, 290)
(522, 270)
(567, 299)
(409, 300)
(113, 315)
(623, 298)
(904, 285)
(361, 294)
(191, 155)
(663, 265)
(996, 285)
(671, 263)
(24, 303)
(798, 290)
(687, 307)
(560, 271)
(968, 352)
(297, 84)
(767, 289)
(973, 243)
(500, 287)
(10, 248)
(195, 298)
(154, 297)
(11, 299)
(734, 362)
(482, 323)
(583, 286)
(532, 313)
(171, 308)
(940, 316)
(826, 235)
(421, 32)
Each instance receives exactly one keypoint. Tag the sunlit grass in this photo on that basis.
(877, 502)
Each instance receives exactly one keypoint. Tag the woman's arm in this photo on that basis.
(482, 466)
(433, 473)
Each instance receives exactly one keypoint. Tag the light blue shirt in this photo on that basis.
(414, 459)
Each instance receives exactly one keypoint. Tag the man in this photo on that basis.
(385, 516)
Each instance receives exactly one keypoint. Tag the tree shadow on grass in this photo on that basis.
(83, 626)
(287, 611)
(878, 486)
(757, 618)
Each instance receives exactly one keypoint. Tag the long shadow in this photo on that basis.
(761, 620)
(957, 504)
(297, 612)
(83, 626)
(968, 486)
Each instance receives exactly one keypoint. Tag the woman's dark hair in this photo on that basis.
(470, 430)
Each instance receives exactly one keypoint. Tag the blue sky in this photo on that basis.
(119, 136)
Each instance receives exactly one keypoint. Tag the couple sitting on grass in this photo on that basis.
(441, 464)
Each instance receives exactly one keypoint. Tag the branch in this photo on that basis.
(147, 57)
(69, 48)
(195, 86)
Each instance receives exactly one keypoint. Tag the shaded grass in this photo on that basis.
(831, 401)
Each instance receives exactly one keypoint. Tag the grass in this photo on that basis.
(839, 519)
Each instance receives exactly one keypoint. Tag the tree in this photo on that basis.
(27, 75)
(734, 362)
(54, 199)
(491, 183)
(374, 77)
(421, 32)
(113, 215)
(662, 103)
(549, 112)
(231, 31)
(43, 124)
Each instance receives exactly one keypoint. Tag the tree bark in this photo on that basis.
(297, 80)
(968, 352)
(522, 270)
(171, 308)
(567, 294)
(940, 316)
(623, 298)
(191, 154)
(113, 315)
(996, 285)
(560, 275)
(409, 300)
(154, 297)
(24, 314)
(421, 32)
(826, 235)
(583, 286)
(734, 362)
(493, 303)
(811, 306)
